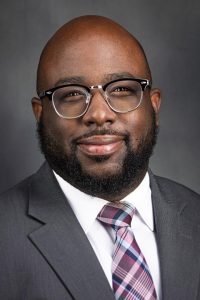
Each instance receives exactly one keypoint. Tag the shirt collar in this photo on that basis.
(87, 207)
(140, 198)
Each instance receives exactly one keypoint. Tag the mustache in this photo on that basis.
(102, 131)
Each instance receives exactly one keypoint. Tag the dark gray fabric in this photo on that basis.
(44, 253)
(177, 225)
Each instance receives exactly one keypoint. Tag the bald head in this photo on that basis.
(88, 38)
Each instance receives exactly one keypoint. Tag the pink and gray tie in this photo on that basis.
(130, 273)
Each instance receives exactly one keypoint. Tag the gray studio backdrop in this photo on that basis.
(170, 34)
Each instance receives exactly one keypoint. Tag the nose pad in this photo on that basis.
(98, 111)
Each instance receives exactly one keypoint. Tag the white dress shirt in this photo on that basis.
(86, 209)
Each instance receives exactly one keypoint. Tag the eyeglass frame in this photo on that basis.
(144, 83)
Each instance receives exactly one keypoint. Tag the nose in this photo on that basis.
(99, 112)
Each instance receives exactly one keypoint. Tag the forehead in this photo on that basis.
(92, 57)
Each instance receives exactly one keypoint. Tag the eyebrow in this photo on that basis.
(81, 79)
(115, 76)
(69, 80)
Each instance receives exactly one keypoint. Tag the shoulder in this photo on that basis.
(172, 188)
(177, 194)
(17, 189)
(14, 201)
(15, 220)
(21, 190)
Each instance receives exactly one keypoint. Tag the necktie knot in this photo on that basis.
(117, 215)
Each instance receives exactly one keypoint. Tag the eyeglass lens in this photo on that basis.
(122, 96)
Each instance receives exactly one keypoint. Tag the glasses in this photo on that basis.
(71, 101)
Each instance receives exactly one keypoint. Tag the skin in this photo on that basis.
(94, 50)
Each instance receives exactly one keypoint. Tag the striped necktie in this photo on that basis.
(130, 273)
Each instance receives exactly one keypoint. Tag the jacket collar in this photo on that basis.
(62, 241)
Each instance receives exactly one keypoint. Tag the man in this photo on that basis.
(97, 117)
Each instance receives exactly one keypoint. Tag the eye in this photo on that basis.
(73, 94)
(68, 96)
(121, 89)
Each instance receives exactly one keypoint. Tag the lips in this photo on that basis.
(98, 145)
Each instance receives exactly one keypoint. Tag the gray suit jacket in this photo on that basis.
(45, 255)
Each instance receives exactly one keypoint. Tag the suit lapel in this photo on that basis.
(178, 246)
(61, 240)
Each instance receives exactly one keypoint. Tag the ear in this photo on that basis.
(37, 108)
(155, 95)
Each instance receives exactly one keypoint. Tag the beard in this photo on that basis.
(134, 165)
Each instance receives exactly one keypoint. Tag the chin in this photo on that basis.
(102, 169)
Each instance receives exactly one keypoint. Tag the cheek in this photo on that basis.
(61, 130)
(139, 123)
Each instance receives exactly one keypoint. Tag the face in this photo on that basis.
(102, 147)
